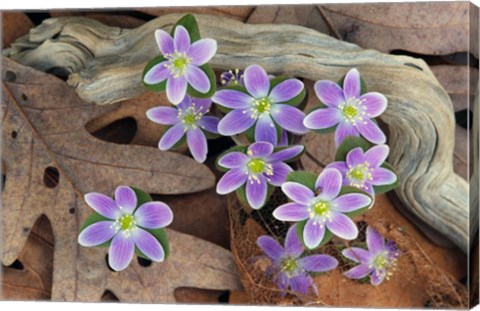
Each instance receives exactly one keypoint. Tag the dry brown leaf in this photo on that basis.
(14, 25)
(198, 295)
(111, 18)
(51, 161)
(240, 13)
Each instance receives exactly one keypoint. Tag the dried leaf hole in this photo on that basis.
(121, 131)
(108, 265)
(14, 134)
(51, 177)
(109, 296)
(24, 97)
(10, 76)
(144, 262)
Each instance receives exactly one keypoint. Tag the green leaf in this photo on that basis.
(142, 197)
(349, 143)
(301, 226)
(305, 178)
(386, 188)
(213, 84)
(242, 149)
(348, 189)
(159, 87)
(190, 23)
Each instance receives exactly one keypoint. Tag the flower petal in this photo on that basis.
(209, 124)
(293, 245)
(171, 137)
(153, 215)
(126, 199)
(97, 233)
(257, 192)
(260, 149)
(283, 139)
(313, 234)
(285, 154)
(358, 272)
(164, 42)
(202, 51)
(355, 157)
(256, 81)
(265, 130)
(382, 176)
(301, 283)
(185, 103)
(298, 192)
(233, 160)
(342, 226)
(371, 131)
(197, 143)
(351, 202)
(375, 103)
(148, 245)
(351, 84)
(270, 246)
(377, 278)
(323, 118)
(163, 115)
(376, 155)
(318, 263)
(286, 90)
(121, 252)
(280, 172)
(233, 99)
(158, 73)
(181, 39)
(197, 79)
(202, 104)
(176, 89)
(329, 93)
(375, 242)
(329, 182)
(339, 166)
(103, 205)
(289, 118)
(357, 254)
(235, 122)
(344, 130)
(291, 212)
(231, 181)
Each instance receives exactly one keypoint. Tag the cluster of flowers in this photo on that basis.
(267, 111)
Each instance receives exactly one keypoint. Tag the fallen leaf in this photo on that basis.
(14, 25)
(110, 18)
(237, 12)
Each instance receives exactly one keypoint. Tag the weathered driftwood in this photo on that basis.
(105, 65)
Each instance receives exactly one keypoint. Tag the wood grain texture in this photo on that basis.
(106, 65)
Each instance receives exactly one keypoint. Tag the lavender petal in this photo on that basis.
(355, 157)
(358, 272)
(153, 215)
(256, 81)
(235, 122)
(382, 176)
(351, 84)
(181, 39)
(197, 143)
(256, 192)
(164, 42)
(339, 166)
(293, 245)
(158, 73)
(265, 130)
(323, 118)
(318, 263)
(329, 182)
(357, 254)
(231, 181)
(233, 160)
(163, 115)
(329, 93)
(371, 132)
(126, 199)
(148, 245)
(291, 212)
(271, 247)
(301, 283)
(289, 118)
(97, 233)
(342, 226)
(171, 137)
(280, 172)
(285, 154)
(351, 202)
(260, 149)
(121, 252)
(286, 90)
(176, 89)
(313, 234)
(103, 205)
(376, 155)
(344, 130)
(209, 124)
(298, 192)
(376, 278)
(202, 51)
(375, 103)
(233, 99)
(375, 242)
(197, 79)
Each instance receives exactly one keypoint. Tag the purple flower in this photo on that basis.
(288, 268)
(323, 211)
(258, 168)
(262, 107)
(348, 109)
(189, 117)
(378, 261)
(181, 67)
(126, 226)
(362, 170)
(232, 77)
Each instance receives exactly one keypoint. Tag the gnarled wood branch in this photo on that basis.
(105, 66)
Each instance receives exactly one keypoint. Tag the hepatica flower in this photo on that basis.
(256, 167)
(232, 77)
(378, 261)
(291, 271)
(347, 110)
(323, 208)
(188, 118)
(125, 226)
(262, 105)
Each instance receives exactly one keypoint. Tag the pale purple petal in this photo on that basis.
(126, 199)
(209, 124)
(153, 215)
(158, 73)
(301, 283)
(375, 103)
(260, 149)
(97, 233)
(176, 89)
(163, 115)
(171, 137)
(148, 245)
(340, 166)
(202, 51)
(377, 278)
(185, 103)
(235, 122)
(298, 192)
(121, 252)
(375, 242)
(231, 181)
(318, 263)
(285, 154)
(289, 118)
(357, 254)
(197, 143)
(358, 272)
(281, 280)
(293, 245)
(329, 182)
(280, 172)
(265, 130)
(345, 129)
(103, 205)
(256, 81)
(351, 84)
(202, 104)
(233, 99)
(323, 118)
(382, 176)
(270, 246)
(256, 192)
(181, 39)
(283, 139)
(329, 93)
(233, 160)
(355, 157)
(376, 155)
(286, 90)
(351, 202)
(164, 42)
(313, 234)
(197, 78)
(371, 131)
(291, 212)
(342, 226)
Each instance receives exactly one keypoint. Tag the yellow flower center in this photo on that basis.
(380, 262)
(289, 265)
(359, 174)
(126, 222)
(190, 119)
(177, 63)
(256, 166)
(180, 63)
(262, 105)
(321, 208)
(350, 111)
